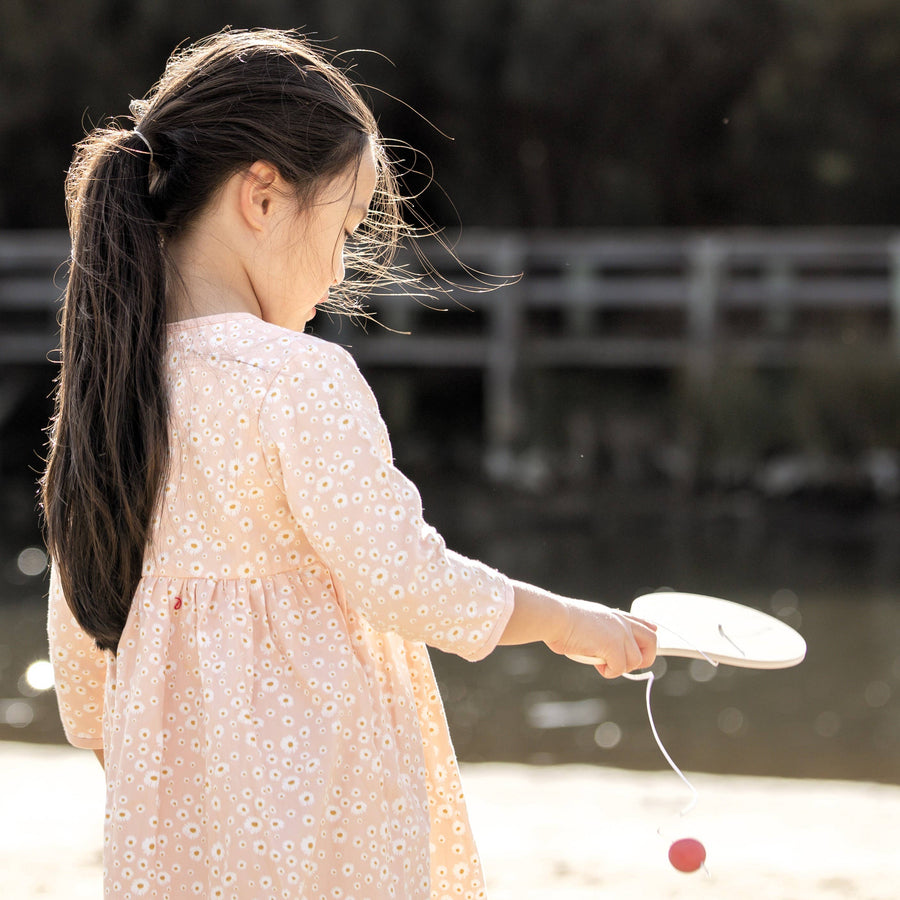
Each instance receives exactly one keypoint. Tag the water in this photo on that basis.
(833, 573)
(830, 570)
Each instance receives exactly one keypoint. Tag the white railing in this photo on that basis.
(585, 300)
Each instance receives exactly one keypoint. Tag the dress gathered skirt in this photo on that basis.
(271, 725)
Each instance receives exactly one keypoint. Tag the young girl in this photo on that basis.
(243, 584)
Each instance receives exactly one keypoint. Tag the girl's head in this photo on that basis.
(273, 256)
(258, 107)
(225, 104)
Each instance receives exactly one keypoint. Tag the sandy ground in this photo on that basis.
(561, 833)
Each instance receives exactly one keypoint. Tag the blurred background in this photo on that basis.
(693, 385)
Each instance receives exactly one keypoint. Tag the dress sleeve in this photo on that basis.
(79, 671)
(329, 445)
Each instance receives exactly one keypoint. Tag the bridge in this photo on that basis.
(607, 300)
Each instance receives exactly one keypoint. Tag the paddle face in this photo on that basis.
(697, 627)
(701, 627)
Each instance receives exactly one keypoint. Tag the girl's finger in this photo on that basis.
(616, 662)
(651, 625)
(646, 641)
(634, 656)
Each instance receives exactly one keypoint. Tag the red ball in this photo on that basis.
(687, 854)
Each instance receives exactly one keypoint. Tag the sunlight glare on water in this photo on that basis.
(702, 671)
(544, 713)
(32, 561)
(608, 735)
(877, 694)
(730, 721)
(39, 675)
(17, 713)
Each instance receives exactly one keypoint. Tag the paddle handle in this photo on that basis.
(588, 660)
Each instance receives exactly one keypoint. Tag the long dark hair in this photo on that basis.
(221, 105)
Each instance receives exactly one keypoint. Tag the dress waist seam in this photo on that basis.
(217, 579)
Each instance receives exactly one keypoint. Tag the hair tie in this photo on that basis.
(146, 143)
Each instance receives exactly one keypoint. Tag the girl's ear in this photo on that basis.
(260, 190)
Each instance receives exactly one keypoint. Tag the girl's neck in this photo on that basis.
(191, 296)
(207, 277)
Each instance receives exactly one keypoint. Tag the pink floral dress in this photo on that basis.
(271, 723)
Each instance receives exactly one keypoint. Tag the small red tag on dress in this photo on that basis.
(178, 603)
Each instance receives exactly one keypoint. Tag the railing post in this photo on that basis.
(501, 401)
(579, 306)
(894, 254)
(706, 258)
(779, 278)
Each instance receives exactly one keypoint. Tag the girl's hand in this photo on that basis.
(617, 641)
(614, 641)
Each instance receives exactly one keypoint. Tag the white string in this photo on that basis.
(649, 677)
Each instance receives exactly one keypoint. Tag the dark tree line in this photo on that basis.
(562, 113)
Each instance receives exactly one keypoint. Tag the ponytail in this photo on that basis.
(109, 436)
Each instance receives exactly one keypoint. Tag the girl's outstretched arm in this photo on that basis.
(579, 628)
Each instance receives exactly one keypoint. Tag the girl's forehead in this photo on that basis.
(366, 179)
(355, 187)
